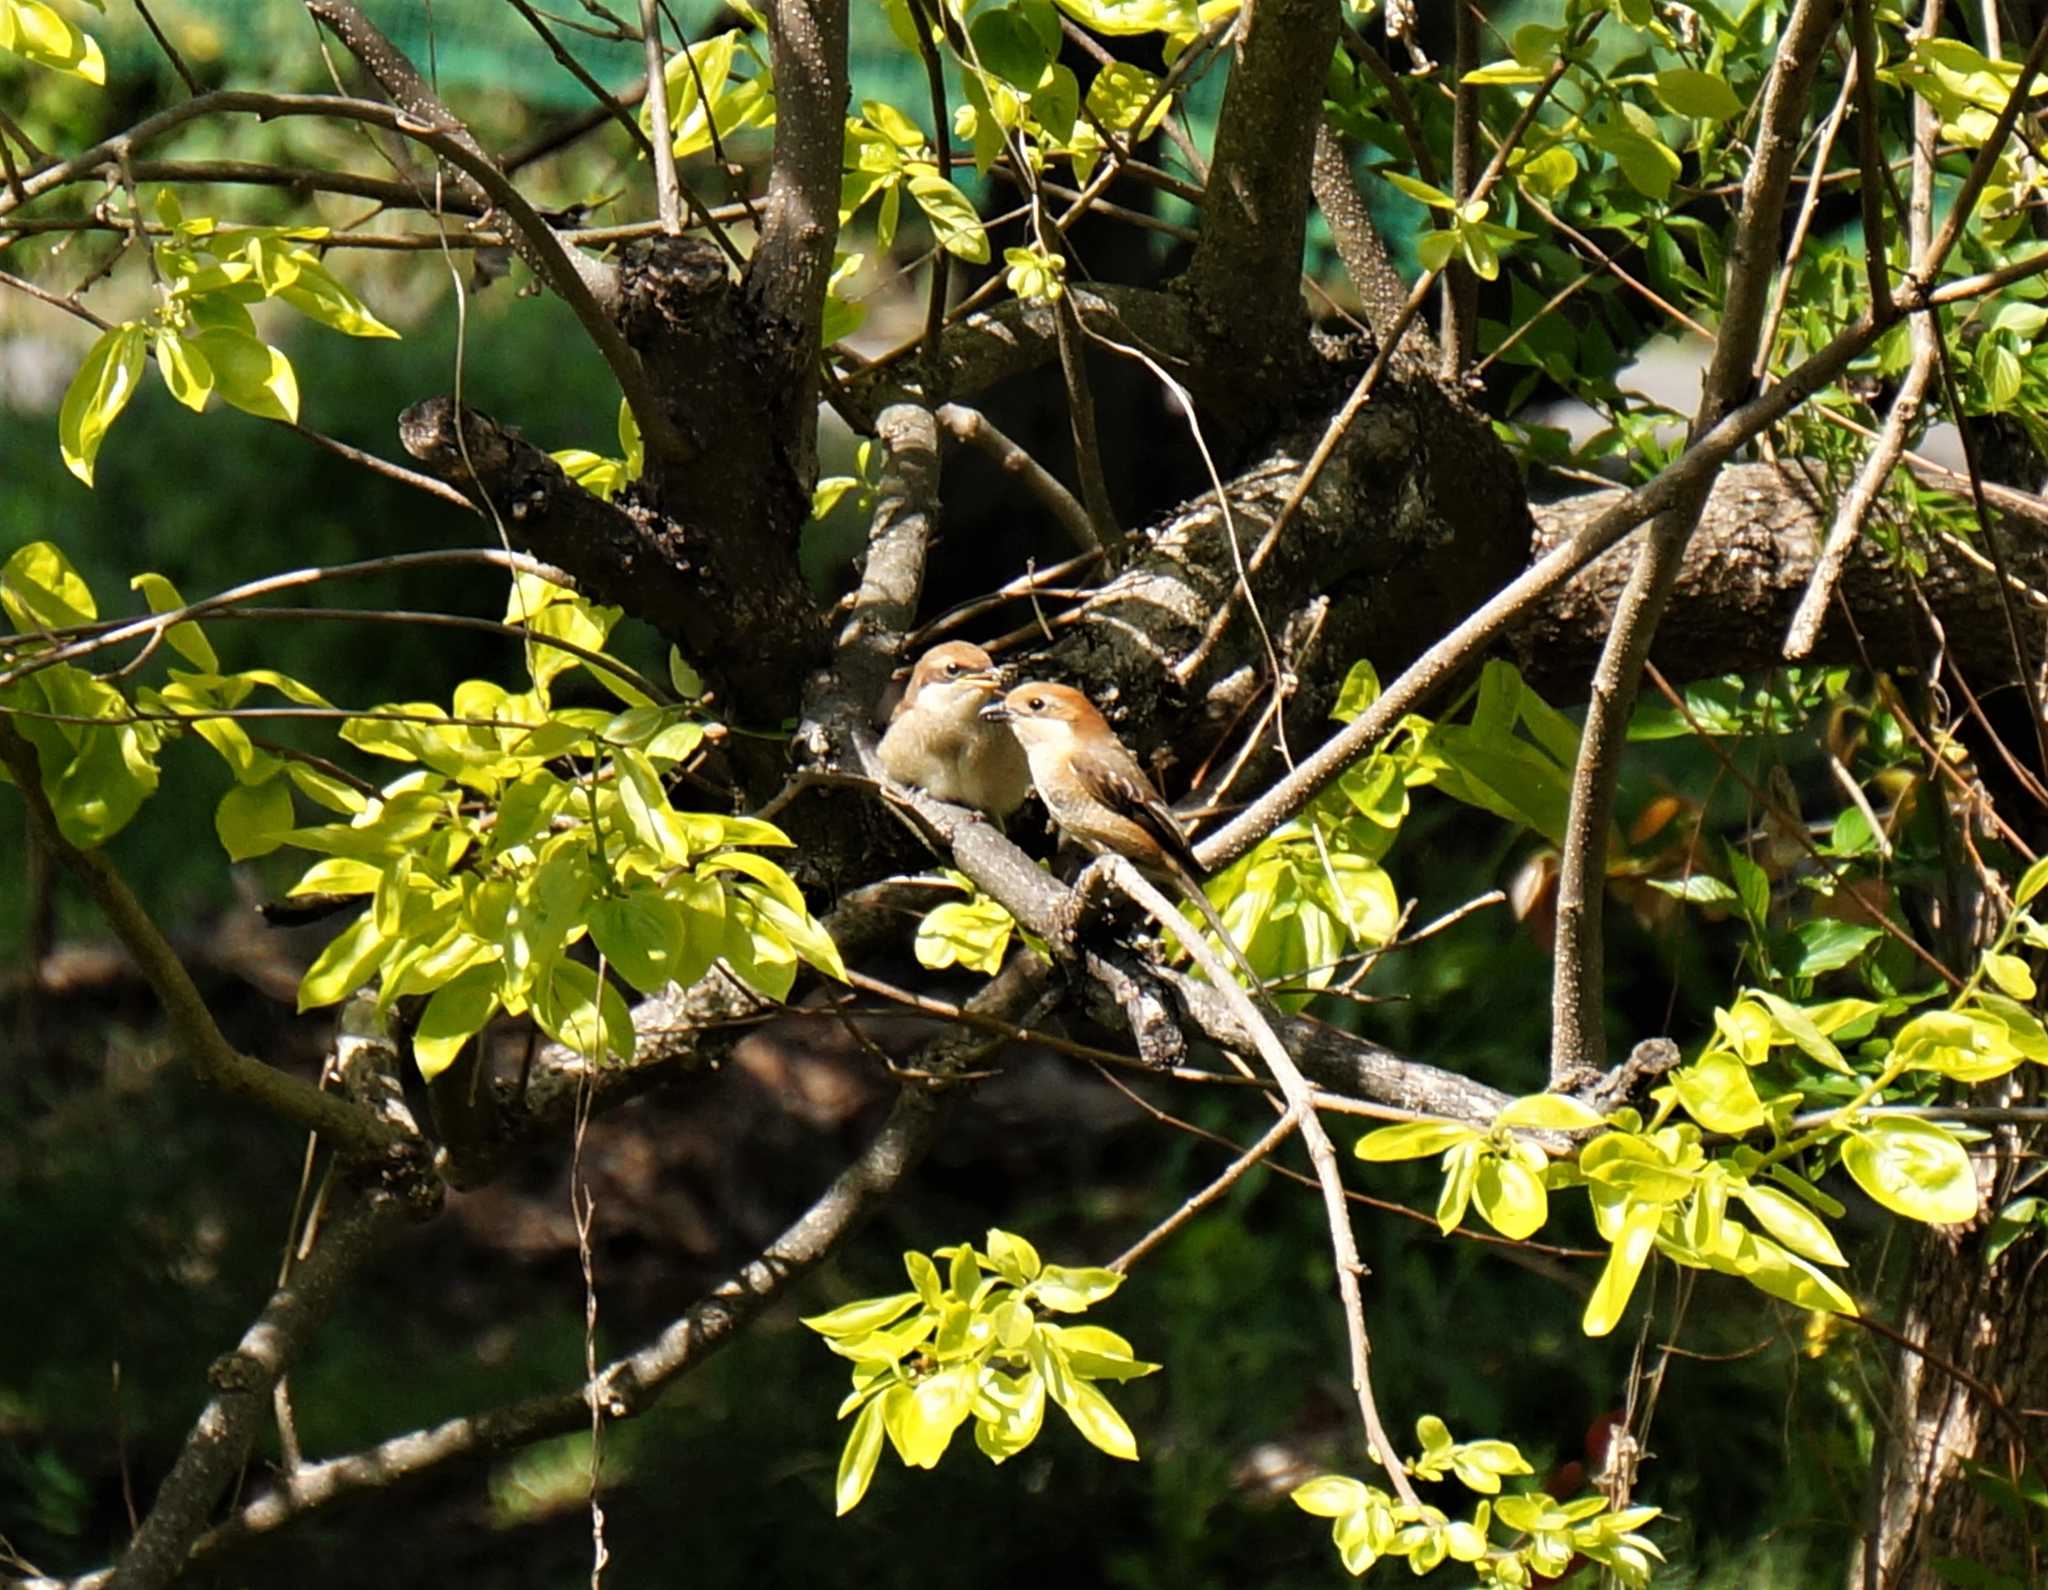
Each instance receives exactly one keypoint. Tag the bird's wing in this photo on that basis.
(1121, 785)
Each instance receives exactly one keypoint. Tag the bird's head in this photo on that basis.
(1042, 714)
(953, 679)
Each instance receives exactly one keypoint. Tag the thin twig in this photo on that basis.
(667, 200)
(975, 428)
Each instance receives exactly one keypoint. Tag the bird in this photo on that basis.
(938, 742)
(1101, 799)
(1091, 785)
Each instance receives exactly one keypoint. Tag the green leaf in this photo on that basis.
(1716, 1092)
(36, 33)
(1826, 945)
(251, 375)
(186, 639)
(2012, 975)
(954, 223)
(1421, 192)
(1509, 1197)
(1097, 1420)
(1330, 1495)
(1005, 43)
(1068, 1290)
(1553, 1112)
(253, 819)
(97, 394)
(1414, 1140)
(1701, 95)
(1504, 73)
(573, 1010)
(1914, 1168)
(861, 1317)
(1119, 95)
(457, 1010)
(2031, 883)
(41, 590)
(1361, 688)
(1624, 1266)
(185, 371)
(1791, 1222)
(318, 296)
(350, 960)
(971, 933)
(857, 1462)
(1016, 1258)
(642, 938)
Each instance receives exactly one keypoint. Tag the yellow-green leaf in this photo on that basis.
(97, 394)
(1914, 1168)
(1414, 1140)
(1617, 1283)
(253, 819)
(251, 374)
(857, 1462)
(457, 1010)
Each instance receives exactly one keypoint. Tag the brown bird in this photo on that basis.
(1093, 787)
(1101, 798)
(938, 742)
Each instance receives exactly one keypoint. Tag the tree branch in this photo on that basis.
(213, 1059)
(631, 1385)
(219, 1443)
(1578, 1040)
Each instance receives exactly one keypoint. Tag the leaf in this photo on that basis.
(317, 295)
(97, 395)
(1701, 95)
(2031, 883)
(456, 1011)
(1016, 1258)
(186, 373)
(1826, 945)
(1504, 73)
(970, 933)
(1005, 43)
(573, 1009)
(1119, 95)
(1097, 1420)
(1509, 1197)
(1791, 1222)
(1068, 1290)
(861, 1317)
(955, 225)
(1414, 1140)
(1624, 1265)
(1554, 1112)
(41, 590)
(1421, 192)
(186, 639)
(253, 819)
(251, 375)
(1716, 1092)
(1914, 1168)
(857, 1462)
(36, 33)
(350, 960)
(642, 938)
(1329, 1495)
(2011, 974)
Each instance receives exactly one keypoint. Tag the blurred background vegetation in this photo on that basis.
(141, 1221)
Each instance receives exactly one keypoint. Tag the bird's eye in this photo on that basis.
(1036, 703)
(952, 670)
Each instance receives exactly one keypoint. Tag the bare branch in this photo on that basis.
(1578, 1041)
(975, 428)
(800, 225)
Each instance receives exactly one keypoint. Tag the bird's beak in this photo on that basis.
(996, 712)
(983, 678)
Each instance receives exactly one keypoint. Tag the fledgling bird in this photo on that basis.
(937, 740)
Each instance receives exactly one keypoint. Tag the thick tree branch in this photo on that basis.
(1244, 280)
(800, 219)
